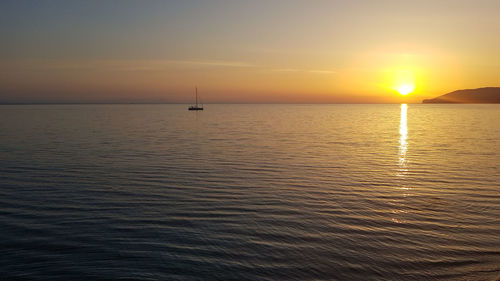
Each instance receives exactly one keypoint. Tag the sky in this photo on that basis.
(253, 51)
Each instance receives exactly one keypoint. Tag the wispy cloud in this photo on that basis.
(115, 65)
(285, 70)
(141, 66)
(217, 63)
(322, 71)
(313, 71)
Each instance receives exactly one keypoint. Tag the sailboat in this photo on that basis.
(196, 107)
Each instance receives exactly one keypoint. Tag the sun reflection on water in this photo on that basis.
(403, 141)
(400, 212)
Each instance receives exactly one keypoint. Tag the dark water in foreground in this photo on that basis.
(250, 192)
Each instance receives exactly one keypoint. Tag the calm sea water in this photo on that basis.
(250, 192)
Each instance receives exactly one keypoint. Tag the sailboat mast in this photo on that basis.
(196, 106)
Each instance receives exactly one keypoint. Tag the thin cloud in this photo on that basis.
(139, 66)
(314, 71)
(322, 71)
(114, 65)
(214, 63)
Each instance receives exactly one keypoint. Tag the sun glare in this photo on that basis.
(405, 89)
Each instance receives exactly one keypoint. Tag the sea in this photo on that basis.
(250, 192)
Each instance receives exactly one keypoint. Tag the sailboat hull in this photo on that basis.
(196, 107)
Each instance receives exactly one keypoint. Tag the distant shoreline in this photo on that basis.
(485, 95)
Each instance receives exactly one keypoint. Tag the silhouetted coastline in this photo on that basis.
(479, 95)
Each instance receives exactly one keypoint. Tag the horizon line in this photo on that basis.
(183, 103)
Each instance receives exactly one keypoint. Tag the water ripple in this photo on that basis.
(250, 192)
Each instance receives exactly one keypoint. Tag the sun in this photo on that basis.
(405, 89)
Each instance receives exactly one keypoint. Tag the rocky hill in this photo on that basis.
(480, 95)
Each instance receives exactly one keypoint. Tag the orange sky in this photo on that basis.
(238, 51)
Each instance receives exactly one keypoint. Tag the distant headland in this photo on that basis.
(480, 95)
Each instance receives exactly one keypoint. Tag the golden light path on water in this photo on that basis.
(403, 141)
(403, 167)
